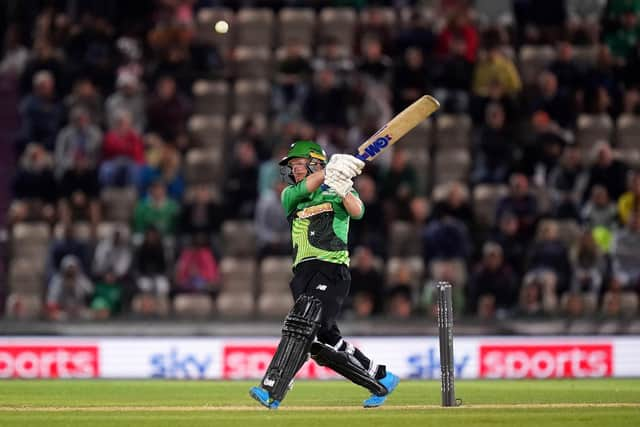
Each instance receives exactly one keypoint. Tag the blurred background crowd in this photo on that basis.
(140, 146)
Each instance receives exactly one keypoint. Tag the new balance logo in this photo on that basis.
(321, 287)
(269, 382)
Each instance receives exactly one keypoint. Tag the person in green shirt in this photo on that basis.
(319, 202)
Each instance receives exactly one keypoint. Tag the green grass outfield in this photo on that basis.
(607, 402)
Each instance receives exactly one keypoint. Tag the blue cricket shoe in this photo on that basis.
(262, 396)
(390, 382)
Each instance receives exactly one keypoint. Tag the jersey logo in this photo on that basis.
(321, 287)
(314, 210)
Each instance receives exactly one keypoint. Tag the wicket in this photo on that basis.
(445, 330)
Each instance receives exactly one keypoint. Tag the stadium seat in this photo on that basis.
(118, 203)
(26, 276)
(106, 229)
(252, 63)
(453, 131)
(238, 120)
(450, 270)
(628, 139)
(451, 165)
(414, 266)
(338, 23)
(205, 24)
(29, 240)
(485, 199)
(81, 230)
(275, 296)
(190, 306)
(533, 60)
(592, 129)
(255, 27)
(585, 56)
(251, 96)
(296, 24)
(148, 305)
(420, 160)
(405, 240)
(237, 296)
(421, 135)
(203, 166)
(374, 19)
(239, 238)
(569, 230)
(207, 130)
(20, 306)
(210, 97)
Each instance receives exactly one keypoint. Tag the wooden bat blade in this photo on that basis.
(397, 127)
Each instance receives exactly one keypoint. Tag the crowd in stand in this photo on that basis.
(105, 106)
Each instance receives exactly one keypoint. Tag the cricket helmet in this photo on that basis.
(302, 149)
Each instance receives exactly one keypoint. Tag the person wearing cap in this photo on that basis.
(319, 202)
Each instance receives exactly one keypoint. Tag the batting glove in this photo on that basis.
(340, 184)
(345, 164)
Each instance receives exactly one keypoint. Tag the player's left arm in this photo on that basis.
(353, 205)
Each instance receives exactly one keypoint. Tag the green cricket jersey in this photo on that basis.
(319, 224)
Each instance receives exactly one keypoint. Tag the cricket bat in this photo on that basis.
(397, 127)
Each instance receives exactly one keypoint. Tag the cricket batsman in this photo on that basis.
(319, 202)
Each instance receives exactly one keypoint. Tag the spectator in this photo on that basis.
(446, 238)
(589, 266)
(326, 103)
(241, 189)
(68, 291)
(453, 78)
(200, 213)
(107, 298)
(492, 66)
(555, 101)
(493, 277)
(624, 39)
(514, 247)
(333, 56)
(374, 64)
(567, 182)
(418, 33)
(80, 138)
(371, 230)
(459, 26)
(599, 211)
(549, 256)
(156, 210)
(400, 302)
(168, 111)
(607, 171)
(113, 255)
(129, 96)
(367, 284)
(398, 185)
(494, 151)
(151, 265)
(539, 21)
(163, 166)
(197, 269)
(86, 96)
(41, 113)
(625, 255)
(537, 294)
(521, 203)
(455, 204)
(273, 235)
(629, 202)
(122, 153)
(292, 82)
(44, 60)
(79, 193)
(602, 85)
(34, 186)
(67, 244)
(567, 72)
(16, 55)
(410, 79)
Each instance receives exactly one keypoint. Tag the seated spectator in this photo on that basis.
(625, 255)
(514, 247)
(589, 266)
(273, 234)
(327, 101)
(603, 92)
(86, 96)
(333, 55)
(537, 294)
(455, 204)
(410, 79)
(241, 187)
(156, 210)
(79, 193)
(629, 202)
(549, 255)
(151, 265)
(201, 213)
(130, 97)
(573, 304)
(600, 215)
(400, 302)
(122, 153)
(107, 297)
(452, 78)
(69, 291)
(566, 183)
(607, 171)
(371, 230)
(168, 111)
(34, 186)
(554, 101)
(292, 82)
(624, 39)
(41, 113)
(446, 238)
(493, 277)
(521, 203)
(80, 138)
(68, 244)
(113, 255)
(197, 269)
(459, 26)
(398, 185)
(374, 64)
(15, 56)
(494, 151)
(494, 65)
(44, 57)
(367, 284)
(566, 69)
(165, 167)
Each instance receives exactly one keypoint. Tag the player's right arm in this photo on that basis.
(294, 194)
